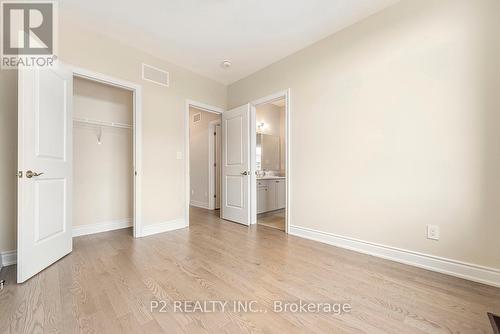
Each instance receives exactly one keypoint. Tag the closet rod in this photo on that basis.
(102, 123)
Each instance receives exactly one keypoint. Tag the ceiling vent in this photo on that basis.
(197, 117)
(153, 74)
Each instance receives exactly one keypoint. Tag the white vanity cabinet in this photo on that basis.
(271, 194)
(262, 195)
(280, 193)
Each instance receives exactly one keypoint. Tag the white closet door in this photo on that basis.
(45, 161)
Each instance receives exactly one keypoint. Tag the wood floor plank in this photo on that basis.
(107, 284)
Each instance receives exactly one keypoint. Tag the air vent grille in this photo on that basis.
(197, 117)
(156, 75)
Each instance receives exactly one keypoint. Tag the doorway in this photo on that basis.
(203, 157)
(134, 126)
(102, 157)
(45, 162)
(270, 162)
(239, 172)
(270, 155)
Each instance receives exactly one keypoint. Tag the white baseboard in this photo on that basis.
(163, 227)
(101, 227)
(469, 271)
(199, 204)
(8, 258)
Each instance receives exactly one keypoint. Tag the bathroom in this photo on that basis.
(270, 164)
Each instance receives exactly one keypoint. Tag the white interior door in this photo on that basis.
(236, 165)
(45, 168)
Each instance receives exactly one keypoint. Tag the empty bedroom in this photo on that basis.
(228, 166)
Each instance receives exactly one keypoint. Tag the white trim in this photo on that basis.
(204, 107)
(8, 258)
(211, 160)
(199, 204)
(268, 99)
(163, 227)
(137, 134)
(101, 227)
(469, 271)
(253, 164)
(104, 79)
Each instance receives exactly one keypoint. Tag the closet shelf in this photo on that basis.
(101, 123)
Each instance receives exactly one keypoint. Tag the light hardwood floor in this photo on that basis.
(107, 283)
(274, 219)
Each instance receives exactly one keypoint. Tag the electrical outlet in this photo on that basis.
(433, 232)
(179, 155)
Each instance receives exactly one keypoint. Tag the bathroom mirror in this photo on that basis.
(268, 152)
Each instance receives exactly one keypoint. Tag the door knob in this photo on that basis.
(30, 174)
(244, 173)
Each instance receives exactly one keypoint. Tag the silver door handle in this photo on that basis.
(245, 173)
(30, 174)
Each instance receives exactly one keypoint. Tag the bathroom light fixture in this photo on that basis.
(260, 125)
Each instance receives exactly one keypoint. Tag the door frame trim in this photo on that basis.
(253, 144)
(136, 90)
(187, 180)
(211, 160)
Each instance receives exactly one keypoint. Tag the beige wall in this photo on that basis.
(395, 124)
(270, 115)
(8, 159)
(163, 113)
(102, 173)
(198, 155)
(163, 190)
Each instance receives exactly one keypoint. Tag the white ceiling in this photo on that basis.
(200, 34)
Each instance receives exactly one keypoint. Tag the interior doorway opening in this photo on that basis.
(103, 132)
(270, 163)
(204, 158)
(46, 152)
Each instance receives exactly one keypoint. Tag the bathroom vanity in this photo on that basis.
(271, 193)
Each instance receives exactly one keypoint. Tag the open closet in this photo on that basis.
(102, 157)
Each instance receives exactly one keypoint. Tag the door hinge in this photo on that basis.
(215, 133)
(215, 196)
(215, 164)
(135, 173)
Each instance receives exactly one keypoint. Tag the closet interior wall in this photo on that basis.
(102, 154)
